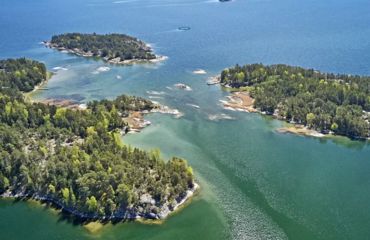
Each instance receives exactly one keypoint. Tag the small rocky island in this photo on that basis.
(113, 48)
(314, 101)
(75, 159)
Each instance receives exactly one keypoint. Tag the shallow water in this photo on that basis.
(256, 183)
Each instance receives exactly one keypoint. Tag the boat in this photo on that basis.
(184, 28)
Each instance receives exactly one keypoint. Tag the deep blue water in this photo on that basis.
(327, 35)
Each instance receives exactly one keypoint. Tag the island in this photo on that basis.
(113, 48)
(324, 102)
(75, 159)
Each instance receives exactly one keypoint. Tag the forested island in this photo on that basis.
(114, 48)
(76, 159)
(325, 102)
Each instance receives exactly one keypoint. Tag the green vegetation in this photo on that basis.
(109, 46)
(76, 159)
(21, 74)
(322, 101)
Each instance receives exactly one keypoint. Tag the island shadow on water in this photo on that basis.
(95, 225)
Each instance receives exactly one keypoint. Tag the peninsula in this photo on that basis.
(75, 159)
(113, 48)
(325, 102)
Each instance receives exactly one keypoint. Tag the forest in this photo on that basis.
(76, 158)
(21, 74)
(107, 46)
(326, 102)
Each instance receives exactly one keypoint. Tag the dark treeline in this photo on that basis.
(76, 158)
(322, 101)
(107, 46)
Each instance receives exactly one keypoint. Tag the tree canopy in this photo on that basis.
(21, 74)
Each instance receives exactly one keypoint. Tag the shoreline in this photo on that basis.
(116, 61)
(241, 101)
(215, 80)
(128, 214)
(301, 130)
(137, 122)
(27, 95)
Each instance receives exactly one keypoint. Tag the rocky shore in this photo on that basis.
(239, 101)
(130, 213)
(167, 110)
(214, 80)
(300, 130)
(137, 122)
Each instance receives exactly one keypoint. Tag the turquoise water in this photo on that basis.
(256, 183)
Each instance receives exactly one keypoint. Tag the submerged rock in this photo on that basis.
(183, 86)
